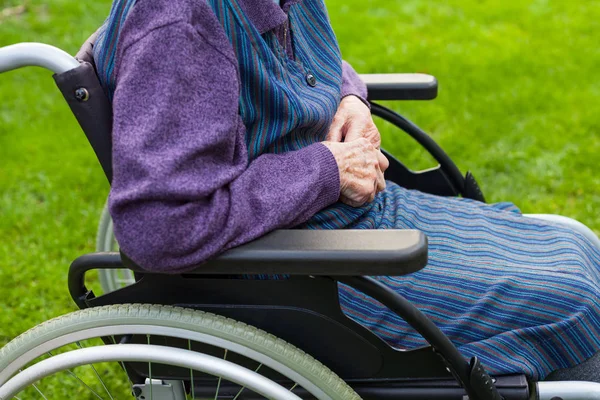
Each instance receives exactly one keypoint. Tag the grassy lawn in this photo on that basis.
(518, 106)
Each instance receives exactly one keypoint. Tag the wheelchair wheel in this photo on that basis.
(110, 279)
(159, 352)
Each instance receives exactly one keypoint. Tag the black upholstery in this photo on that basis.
(93, 113)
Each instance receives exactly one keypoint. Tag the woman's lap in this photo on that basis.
(521, 294)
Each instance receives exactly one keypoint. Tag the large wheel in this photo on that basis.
(110, 279)
(60, 340)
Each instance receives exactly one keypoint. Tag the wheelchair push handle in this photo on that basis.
(36, 55)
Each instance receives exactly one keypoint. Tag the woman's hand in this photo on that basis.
(353, 120)
(361, 177)
(354, 141)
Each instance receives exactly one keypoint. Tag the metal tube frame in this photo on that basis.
(568, 390)
(36, 55)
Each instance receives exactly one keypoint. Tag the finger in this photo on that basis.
(384, 163)
(336, 129)
(378, 135)
(380, 182)
(372, 133)
(350, 202)
(375, 191)
(353, 130)
(352, 135)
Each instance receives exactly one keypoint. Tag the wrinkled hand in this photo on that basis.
(353, 120)
(361, 177)
(355, 143)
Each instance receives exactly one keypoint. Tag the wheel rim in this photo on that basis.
(149, 354)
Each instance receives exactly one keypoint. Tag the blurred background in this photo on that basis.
(518, 106)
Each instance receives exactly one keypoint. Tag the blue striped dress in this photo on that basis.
(521, 294)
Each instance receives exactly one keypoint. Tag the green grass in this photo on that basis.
(518, 106)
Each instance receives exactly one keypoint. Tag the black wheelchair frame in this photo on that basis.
(304, 310)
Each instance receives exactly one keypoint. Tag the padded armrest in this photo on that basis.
(322, 252)
(400, 86)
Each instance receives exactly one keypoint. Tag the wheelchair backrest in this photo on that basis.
(90, 105)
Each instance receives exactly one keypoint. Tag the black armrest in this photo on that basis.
(296, 252)
(322, 252)
(400, 86)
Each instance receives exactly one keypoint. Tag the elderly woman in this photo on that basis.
(233, 118)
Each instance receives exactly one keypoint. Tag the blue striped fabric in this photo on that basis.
(519, 293)
(105, 47)
(280, 110)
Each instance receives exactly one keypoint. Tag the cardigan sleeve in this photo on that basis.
(183, 188)
(352, 85)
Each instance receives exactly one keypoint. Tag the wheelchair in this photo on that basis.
(206, 334)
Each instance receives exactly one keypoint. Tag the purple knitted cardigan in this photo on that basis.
(183, 190)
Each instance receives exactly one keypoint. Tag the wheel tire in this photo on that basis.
(180, 318)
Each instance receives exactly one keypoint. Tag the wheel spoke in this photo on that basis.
(219, 382)
(121, 362)
(293, 387)
(244, 387)
(150, 372)
(36, 388)
(74, 375)
(98, 376)
(191, 373)
(126, 339)
(39, 391)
